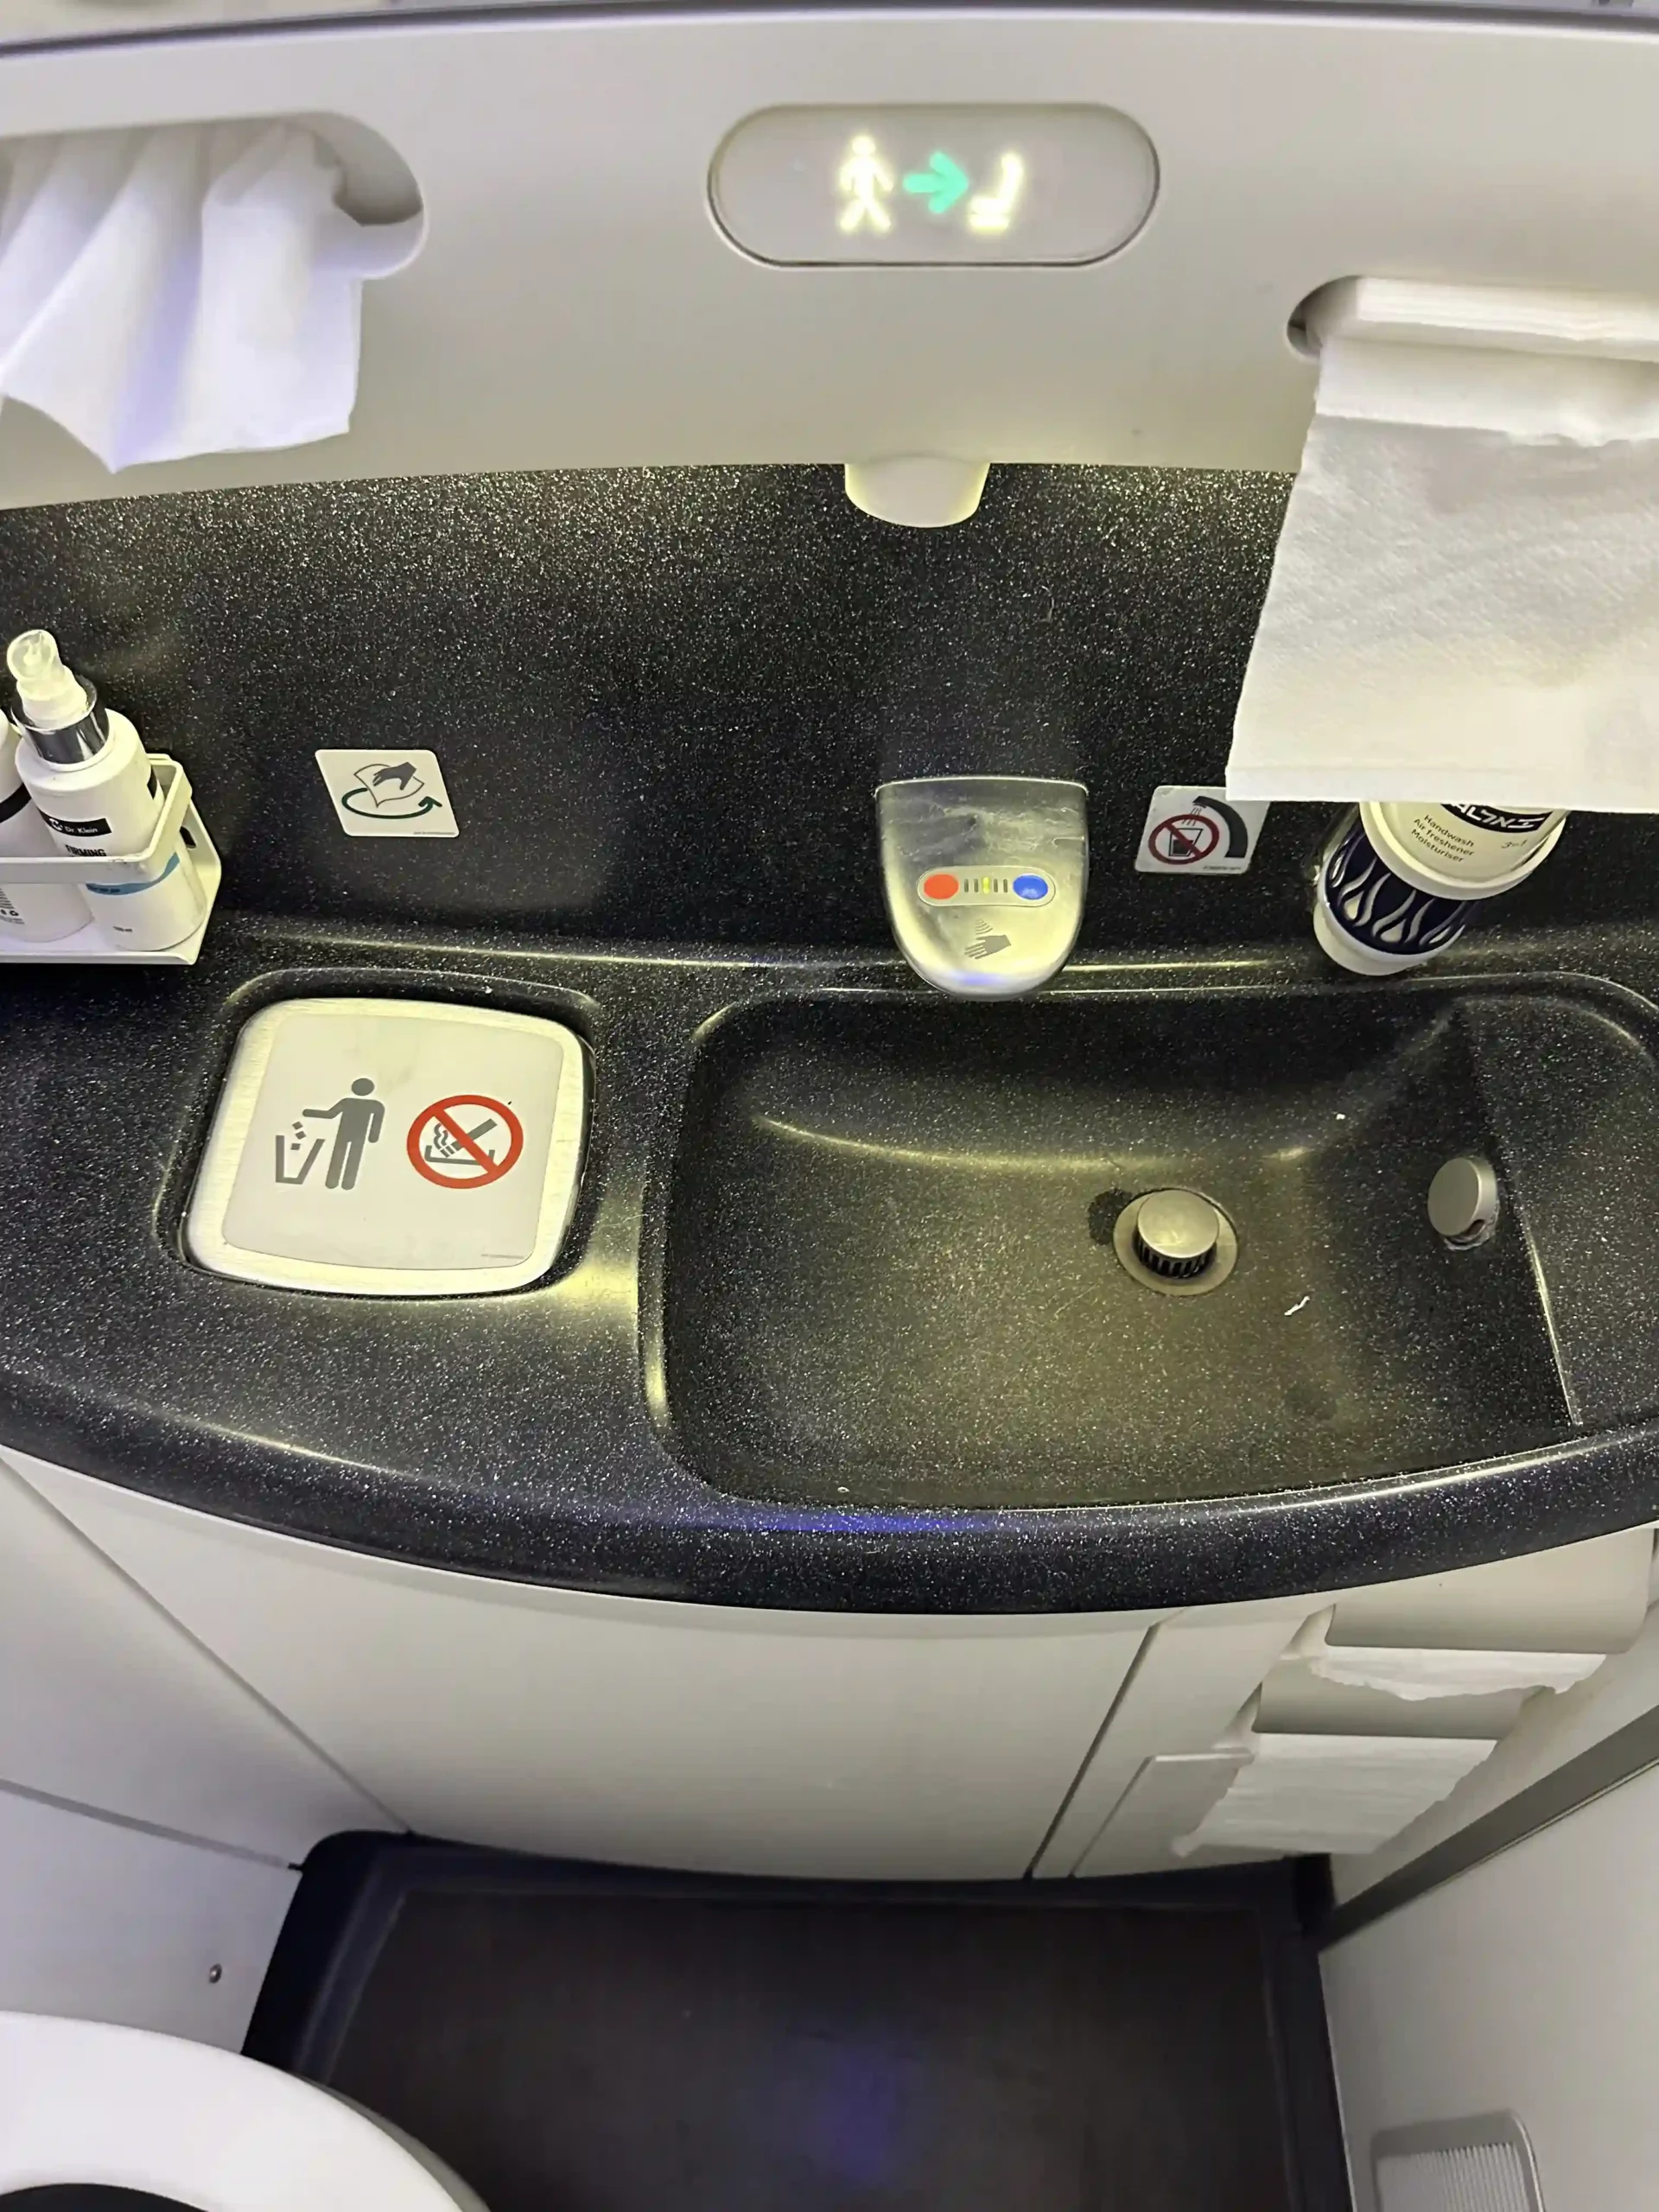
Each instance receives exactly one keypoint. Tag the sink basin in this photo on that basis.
(890, 1274)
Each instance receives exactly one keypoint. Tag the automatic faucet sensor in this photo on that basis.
(985, 878)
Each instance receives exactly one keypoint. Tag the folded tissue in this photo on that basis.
(1333, 1793)
(1417, 1675)
(190, 290)
(1465, 601)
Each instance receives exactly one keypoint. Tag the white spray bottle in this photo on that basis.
(88, 773)
(30, 913)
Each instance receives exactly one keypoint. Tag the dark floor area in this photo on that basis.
(600, 2056)
(572, 2040)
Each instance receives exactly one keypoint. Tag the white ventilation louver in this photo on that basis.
(1469, 2165)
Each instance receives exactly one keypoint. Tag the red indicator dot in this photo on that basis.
(940, 887)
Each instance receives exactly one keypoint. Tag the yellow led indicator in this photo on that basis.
(989, 211)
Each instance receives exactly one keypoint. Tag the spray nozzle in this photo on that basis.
(50, 695)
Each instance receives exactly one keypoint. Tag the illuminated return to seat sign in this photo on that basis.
(916, 185)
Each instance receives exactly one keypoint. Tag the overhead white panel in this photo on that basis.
(577, 303)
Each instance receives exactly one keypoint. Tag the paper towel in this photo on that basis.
(1417, 1674)
(185, 290)
(1333, 1793)
(1465, 602)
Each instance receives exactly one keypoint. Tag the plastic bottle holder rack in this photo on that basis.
(177, 814)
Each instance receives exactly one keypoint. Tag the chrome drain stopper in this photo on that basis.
(1175, 1234)
(1176, 1241)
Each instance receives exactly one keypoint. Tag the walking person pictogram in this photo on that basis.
(360, 1118)
(865, 181)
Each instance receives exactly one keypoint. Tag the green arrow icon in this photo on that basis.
(942, 183)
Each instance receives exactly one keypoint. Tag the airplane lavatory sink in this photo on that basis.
(897, 1270)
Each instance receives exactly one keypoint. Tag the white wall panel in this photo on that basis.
(103, 1922)
(105, 1700)
(629, 1729)
(1530, 1984)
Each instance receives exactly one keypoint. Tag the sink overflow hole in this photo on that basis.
(1465, 1201)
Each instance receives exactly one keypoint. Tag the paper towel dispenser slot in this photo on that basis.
(839, 186)
(1473, 505)
(1497, 318)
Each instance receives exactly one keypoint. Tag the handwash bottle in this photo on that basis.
(1399, 882)
(1478, 851)
(89, 776)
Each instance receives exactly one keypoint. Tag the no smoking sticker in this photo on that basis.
(465, 1143)
(1198, 831)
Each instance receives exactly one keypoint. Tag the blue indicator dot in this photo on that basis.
(1031, 886)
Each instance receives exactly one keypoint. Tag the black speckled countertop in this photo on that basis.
(662, 699)
(527, 1435)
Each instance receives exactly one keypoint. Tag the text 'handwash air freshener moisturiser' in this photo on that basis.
(96, 793)
(30, 913)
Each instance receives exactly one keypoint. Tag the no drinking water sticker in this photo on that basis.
(1198, 831)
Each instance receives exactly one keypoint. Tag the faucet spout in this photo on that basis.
(985, 878)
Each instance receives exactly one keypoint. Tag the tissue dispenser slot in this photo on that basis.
(377, 184)
(1589, 1597)
(1296, 1701)
(106, 230)
(1314, 1793)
